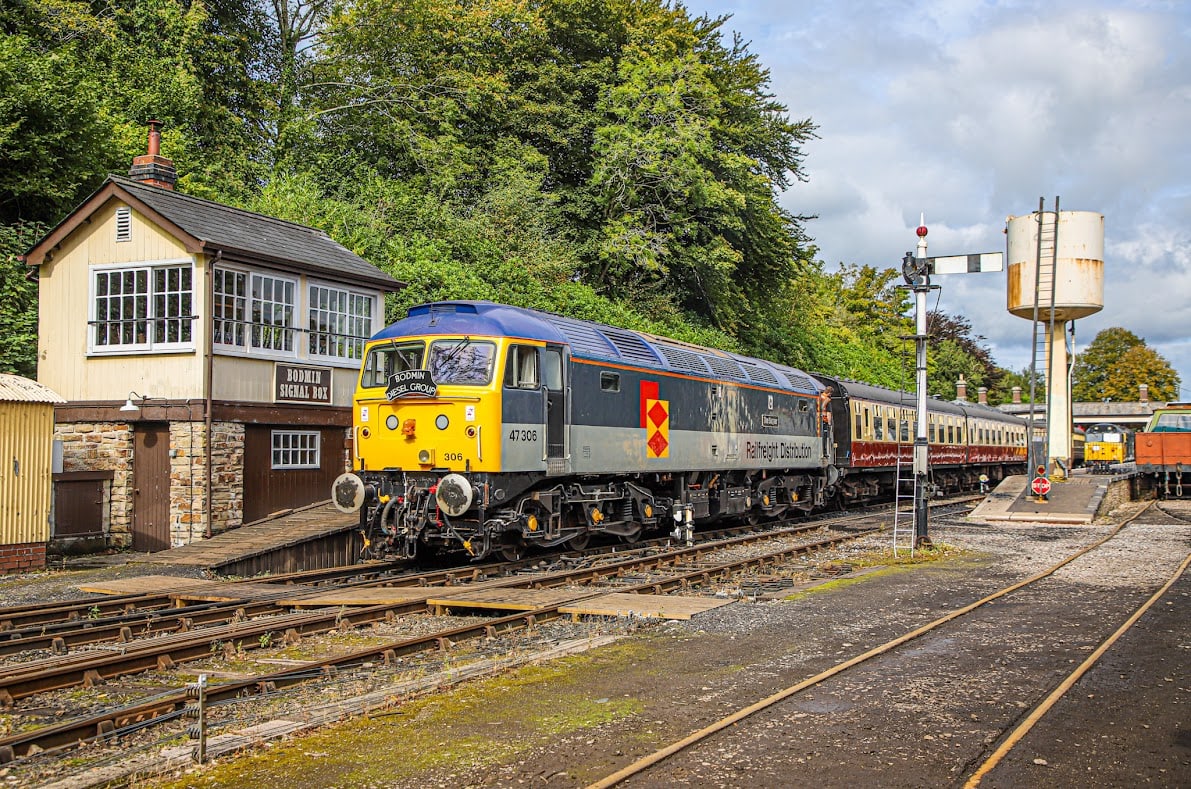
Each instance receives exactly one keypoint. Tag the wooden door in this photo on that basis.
(151, 487)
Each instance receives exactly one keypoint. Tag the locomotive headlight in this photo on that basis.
(441, 421)
(425, 457)
(392, 422)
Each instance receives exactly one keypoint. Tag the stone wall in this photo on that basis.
(105, 446)
(227, 483)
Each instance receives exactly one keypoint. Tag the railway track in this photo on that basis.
(675, 568)
(949, 628)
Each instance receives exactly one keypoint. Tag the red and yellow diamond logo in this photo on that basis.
(657, 428)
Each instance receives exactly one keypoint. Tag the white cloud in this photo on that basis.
(969, 111)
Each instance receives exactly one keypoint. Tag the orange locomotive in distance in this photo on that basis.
(1164, 449)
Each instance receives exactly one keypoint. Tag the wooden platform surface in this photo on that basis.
(500, 599)
(646, 606)
(258, 538)
(361, 597)
(194, 589)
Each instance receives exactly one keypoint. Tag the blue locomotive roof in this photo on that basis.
(596, 341)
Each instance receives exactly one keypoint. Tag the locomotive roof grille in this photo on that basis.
(798, 380)
(631, 347)
(679, 359)
(584, 338)
(725, 368)
(758, 373)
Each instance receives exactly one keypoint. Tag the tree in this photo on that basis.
(1093, 368)
(18, 301)
(1141, 364)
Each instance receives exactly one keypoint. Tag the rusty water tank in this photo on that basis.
(1079, 263)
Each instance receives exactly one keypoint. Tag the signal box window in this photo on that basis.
(521, 370)
(610, 382)
(295, 449)
(385, 360)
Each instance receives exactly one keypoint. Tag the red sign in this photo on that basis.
(1040, 486)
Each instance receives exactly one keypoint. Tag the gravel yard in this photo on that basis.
(925, 718)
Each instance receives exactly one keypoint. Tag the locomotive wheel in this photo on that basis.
(512, 549)
(579, 541)
(633, 534)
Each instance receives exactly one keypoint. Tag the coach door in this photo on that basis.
(553, 381)
(151, 487)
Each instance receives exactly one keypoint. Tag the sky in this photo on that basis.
(966, 112)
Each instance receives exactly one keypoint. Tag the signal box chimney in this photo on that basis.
(153, 168)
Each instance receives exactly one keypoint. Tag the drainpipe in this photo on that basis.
(208, 374)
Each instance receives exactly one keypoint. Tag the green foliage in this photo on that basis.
(18, 301)
(1115, 363)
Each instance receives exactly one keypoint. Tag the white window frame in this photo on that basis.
(257, 329)
(351, 329)
(151, 308)
(295, 449)
(236, 324)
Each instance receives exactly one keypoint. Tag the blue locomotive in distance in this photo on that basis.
(488, 428)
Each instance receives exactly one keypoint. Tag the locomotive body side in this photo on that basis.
(483, 427)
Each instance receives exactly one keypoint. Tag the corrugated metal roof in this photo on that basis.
(221, 226)
(14, 388)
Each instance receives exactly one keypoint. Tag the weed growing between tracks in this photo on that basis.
(449, 731)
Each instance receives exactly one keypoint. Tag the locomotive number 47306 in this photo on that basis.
(523, 435)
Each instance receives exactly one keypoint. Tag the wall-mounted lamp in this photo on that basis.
(131, 406)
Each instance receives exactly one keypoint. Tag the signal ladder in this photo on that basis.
(904, 489)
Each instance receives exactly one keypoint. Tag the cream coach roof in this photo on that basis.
(15, 389)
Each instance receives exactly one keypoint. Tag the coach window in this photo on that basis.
(521, 371)
(878, 424)
(891, 425)
(859, 425)
(609, 382)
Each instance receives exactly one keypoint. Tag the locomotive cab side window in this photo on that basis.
(385, 360)
(552, 369)
(521, 371)
(609, 382)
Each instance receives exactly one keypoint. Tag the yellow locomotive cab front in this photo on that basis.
(429, 404)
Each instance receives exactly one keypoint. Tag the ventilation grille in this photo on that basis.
(631, 347)
(758, 373)
(678, 359)
(799, 381)
(123, 224)
(585, 340)
(724, 368)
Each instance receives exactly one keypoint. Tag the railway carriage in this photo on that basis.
(485, 428)
(875, 429)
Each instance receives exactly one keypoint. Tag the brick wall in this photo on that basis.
(22, 558)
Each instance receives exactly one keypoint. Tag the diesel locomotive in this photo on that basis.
(486, 428)
(1107, 445)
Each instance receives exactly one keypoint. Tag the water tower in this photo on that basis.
(1056, 275)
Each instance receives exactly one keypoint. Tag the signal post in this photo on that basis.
(916, 270)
